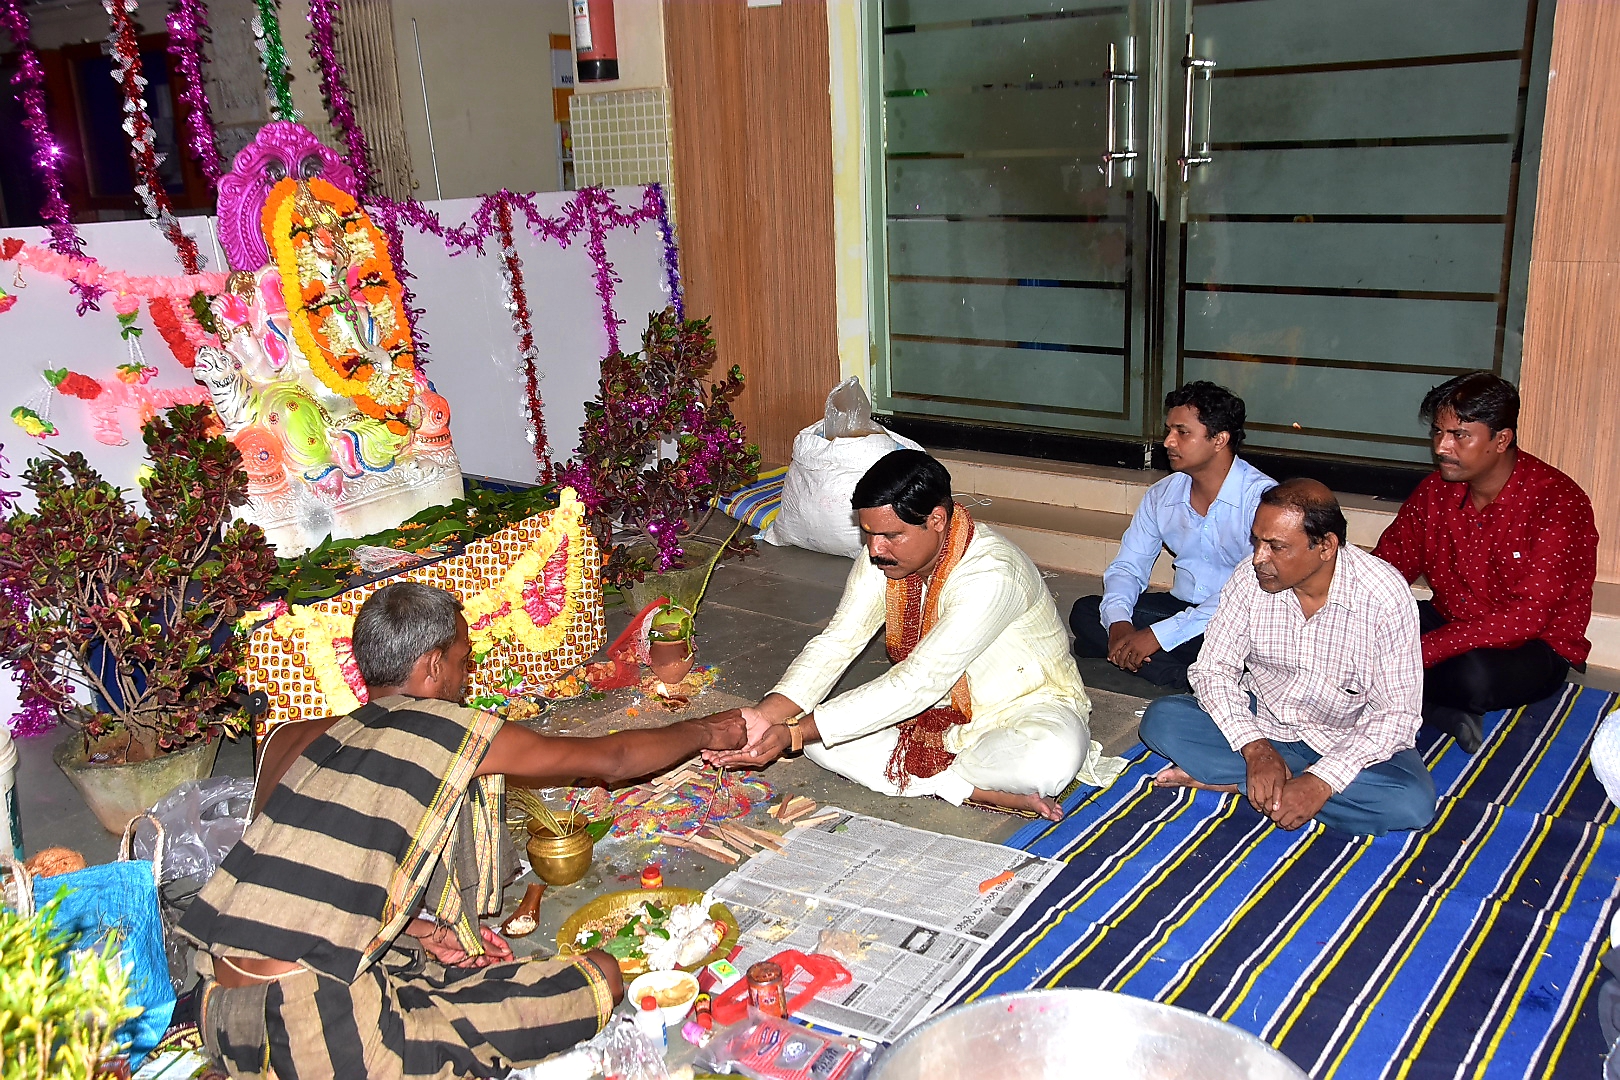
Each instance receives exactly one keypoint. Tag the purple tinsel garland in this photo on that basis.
(188, 29)
(35, 715)
(591, 212)
(30, 83)
(323, 46)
(672, 262)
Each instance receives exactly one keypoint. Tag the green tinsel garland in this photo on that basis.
(273, 55)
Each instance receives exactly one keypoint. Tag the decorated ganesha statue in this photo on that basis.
(314, 377)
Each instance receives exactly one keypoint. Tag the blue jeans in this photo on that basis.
(1389, 796)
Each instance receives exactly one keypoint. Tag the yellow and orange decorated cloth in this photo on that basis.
(531, 593)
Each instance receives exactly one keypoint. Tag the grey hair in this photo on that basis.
(398, 625)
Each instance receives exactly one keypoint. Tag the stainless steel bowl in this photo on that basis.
(1050, 1033)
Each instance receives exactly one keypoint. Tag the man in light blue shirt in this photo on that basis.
(1202, 513)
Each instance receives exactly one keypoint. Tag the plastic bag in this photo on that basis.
(771, 1048)
(849, 412)
(618, 1050)
(816, 513)
(202, 820)
(118, 901)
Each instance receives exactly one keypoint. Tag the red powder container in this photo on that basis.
(765, 988)
(652, 877)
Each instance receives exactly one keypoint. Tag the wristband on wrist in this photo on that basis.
(795, 734)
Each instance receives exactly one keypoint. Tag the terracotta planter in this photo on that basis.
(670, 660)
(116, 793)
(683, 587)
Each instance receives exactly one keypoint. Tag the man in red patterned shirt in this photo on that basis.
(1508, 544)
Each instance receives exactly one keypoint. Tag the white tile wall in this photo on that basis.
(622, 137)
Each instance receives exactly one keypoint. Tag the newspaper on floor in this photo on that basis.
(901, 907)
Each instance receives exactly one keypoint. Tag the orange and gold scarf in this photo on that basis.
(920, 750)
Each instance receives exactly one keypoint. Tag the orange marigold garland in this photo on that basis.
(339, 283)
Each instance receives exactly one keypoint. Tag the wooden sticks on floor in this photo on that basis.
(794, 806)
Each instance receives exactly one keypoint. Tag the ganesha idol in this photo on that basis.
(314, 378)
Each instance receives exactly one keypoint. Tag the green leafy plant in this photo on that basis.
(331, 567)
(649, 401)
(58, 1009)
(137, 609)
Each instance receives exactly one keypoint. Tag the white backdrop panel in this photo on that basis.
(42, 331)
(473, 351)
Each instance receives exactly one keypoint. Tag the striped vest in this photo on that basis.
(377, 809)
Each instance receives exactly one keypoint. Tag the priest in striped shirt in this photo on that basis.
(1310, 682)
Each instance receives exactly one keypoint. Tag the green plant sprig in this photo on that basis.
(330, 567)
(58, 1009)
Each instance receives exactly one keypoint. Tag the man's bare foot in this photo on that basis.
(1034, 803)
(1176, 776)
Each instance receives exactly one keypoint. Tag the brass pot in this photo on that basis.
(560, 860)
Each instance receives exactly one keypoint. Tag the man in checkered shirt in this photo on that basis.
(1310, 683)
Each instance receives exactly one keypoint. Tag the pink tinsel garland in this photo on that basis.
(30, 83)
(128, 292)
(591, 213)
(323, 16)
(188, 30)
(517, 302)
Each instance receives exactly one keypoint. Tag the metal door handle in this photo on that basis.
(1188, 160)
(1115, 76)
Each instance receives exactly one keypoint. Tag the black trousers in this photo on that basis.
(1484, 680)
(1167, 667)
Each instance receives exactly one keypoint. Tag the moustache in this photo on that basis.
(882, 562)
(1448, 461)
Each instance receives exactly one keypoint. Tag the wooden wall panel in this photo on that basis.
(1577, 208)
(1570, 378)
(753, 187)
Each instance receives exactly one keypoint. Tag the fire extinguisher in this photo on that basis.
(595, 45)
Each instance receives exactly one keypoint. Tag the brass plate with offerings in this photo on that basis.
(607, 917)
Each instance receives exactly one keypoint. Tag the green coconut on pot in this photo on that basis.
(670, 623)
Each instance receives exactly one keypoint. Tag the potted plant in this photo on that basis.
(658, 445)
(135, 610)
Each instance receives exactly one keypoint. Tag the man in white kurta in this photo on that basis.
(1027, 733)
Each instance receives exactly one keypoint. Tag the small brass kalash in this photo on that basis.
(560, 846)
(560, 850)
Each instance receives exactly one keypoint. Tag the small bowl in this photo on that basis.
(560, 860)
(680, 986)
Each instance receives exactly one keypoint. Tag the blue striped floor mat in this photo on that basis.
(1469, 949)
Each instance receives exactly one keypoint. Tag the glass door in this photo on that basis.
(1354, 210)
(1011, 268)
(1079, 204)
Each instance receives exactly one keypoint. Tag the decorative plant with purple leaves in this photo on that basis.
(659, 443)
(137, 610)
